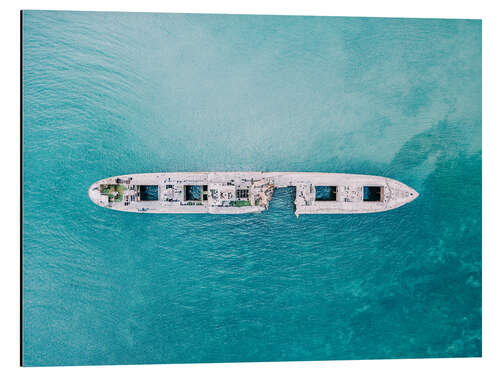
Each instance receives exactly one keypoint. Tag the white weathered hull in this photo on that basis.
(219, 191)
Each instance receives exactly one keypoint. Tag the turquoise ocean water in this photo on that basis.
(113, 93)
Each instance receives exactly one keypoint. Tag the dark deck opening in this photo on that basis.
(372, 193)
(192, 192)
(326, 193)
(242, 193)
(148, 192)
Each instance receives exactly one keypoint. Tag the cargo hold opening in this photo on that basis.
(326, 193)
(148, 192)
(373, 193)
(193, 192)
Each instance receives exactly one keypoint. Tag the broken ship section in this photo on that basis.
(249, 192)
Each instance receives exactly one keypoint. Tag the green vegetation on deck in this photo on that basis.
(240, 203)
(110, 189)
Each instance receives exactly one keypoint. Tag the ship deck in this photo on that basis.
(249, 192)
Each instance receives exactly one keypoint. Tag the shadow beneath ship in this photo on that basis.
(283, 200)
